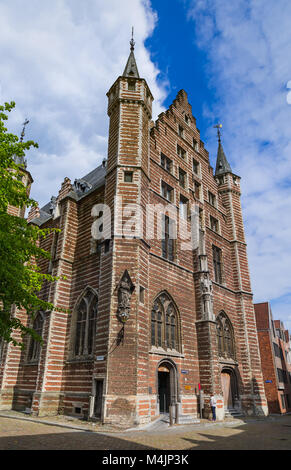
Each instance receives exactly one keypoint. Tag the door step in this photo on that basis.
(232, 413)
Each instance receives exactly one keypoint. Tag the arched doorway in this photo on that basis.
(166, 385)
(229, 387)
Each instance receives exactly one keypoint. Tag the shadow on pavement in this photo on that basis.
(68, 441)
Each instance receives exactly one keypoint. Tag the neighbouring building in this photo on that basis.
(274, 342)
(151, 322)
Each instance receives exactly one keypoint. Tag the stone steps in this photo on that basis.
(232, 413)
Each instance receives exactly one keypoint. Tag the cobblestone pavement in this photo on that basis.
(19, 432)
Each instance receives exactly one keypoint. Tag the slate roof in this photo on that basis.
(222, 165)
(81, 187)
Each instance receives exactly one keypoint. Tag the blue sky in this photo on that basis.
(59, 58)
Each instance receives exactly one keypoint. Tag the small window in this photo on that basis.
(211, 199)
(166, 163)
(220, 179)
(183, 207)
(186, 119)
(131, 85)
(141, 294)
(182, 178)
(196, 167)
(181, 131)
(197, 190)
(214, 224)
(195, 145)
(217, 264)
(128, 176)
(167, 192)
(181, 152)
(168, 238)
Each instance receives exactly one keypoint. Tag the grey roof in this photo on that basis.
(88, 183)
(131, 67)
(222, 165)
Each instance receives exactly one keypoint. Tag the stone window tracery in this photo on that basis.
(85, 327)
(164, 324)
(225, 336)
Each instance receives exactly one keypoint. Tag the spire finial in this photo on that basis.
(218, 127)
(132, 43)
(23, 130)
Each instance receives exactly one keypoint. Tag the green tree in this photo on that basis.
(20, 277)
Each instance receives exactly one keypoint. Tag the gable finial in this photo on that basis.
(132, 42)
(23, 130)
(218, 127)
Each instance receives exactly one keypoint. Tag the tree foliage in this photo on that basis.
(20, 277)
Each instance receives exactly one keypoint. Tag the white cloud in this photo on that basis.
(58, 60)
(248, 47)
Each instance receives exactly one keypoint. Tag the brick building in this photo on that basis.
(152, 319)
(274, 343)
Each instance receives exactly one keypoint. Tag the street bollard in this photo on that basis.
(177, 414)
(171, 415)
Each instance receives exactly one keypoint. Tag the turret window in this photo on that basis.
(131, 85)
(128, 176)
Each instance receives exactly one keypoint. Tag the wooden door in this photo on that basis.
(226, 388)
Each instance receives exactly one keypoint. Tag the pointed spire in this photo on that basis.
(222, 165)
(131, 67)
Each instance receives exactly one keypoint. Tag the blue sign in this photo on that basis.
(184, 371)
(268, 381)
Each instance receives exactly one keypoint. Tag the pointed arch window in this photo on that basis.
(35, 344)
(164, 324)
(85, 328)
(225, 336)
